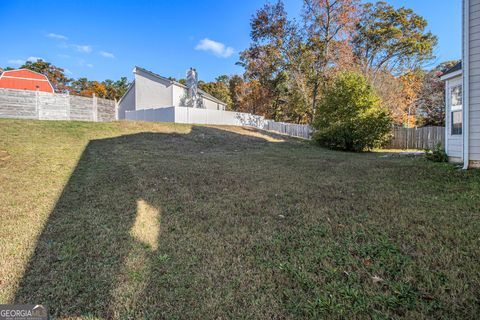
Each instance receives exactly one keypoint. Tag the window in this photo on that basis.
(456, 97)
(457, 120)
(456, 102)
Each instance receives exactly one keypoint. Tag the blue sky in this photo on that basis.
(106, 39)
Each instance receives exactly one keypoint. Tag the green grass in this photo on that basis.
(142, 220)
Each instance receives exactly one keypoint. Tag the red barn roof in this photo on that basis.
(24, 79)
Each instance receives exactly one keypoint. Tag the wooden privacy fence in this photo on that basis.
(296, 130)
(417, 138)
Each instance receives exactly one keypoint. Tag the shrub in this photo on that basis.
(349, 116)
(438, 154)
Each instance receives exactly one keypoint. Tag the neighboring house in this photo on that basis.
(462, 82)
(149, 90)
(24, 79)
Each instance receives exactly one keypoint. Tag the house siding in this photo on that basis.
(179, 95)
(474, 81)
(211, 105)
(151, 92)
(454, 142)
(127, 102)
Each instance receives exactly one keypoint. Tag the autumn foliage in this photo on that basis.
(290, 64)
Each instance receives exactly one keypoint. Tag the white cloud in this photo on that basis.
(67, 71)
(34, 59)
(16, 61)
(83, 63)
(82, 48)
(217, 48)
(22, 61)
(106, 54)
(57, 36)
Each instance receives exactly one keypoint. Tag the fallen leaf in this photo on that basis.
(368, 262)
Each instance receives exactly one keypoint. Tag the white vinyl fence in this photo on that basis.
(196, 116)
(217, 117)
(295, 130)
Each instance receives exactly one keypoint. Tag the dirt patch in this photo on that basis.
(4, 156)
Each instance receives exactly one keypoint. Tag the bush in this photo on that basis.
(438, 154)
(349, 116)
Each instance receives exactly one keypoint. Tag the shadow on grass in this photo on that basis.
(101, 252)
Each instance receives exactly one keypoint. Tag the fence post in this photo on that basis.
(37, 105)
(94, 108)
(68, 110)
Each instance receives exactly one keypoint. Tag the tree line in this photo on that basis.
(291, 63)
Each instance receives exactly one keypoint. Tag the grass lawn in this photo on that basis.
(141, 220)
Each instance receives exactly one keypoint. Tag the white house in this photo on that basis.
(149, 90)
(462, 82)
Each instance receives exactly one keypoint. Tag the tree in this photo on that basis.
(253, 98)
(266, 58)
(292, 61)
(234, 83)
(84, 87)
(108, 89)
(219, 90)
(393, 40)
(411, 87)
(116, 89)
(55, 75)
(329, 25)
(431, 98)
(350, 117)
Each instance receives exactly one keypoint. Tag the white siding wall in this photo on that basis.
(211, 105)
(454, 142)
(179, 94)
(151, 92)
(474, 54)
(127, 103)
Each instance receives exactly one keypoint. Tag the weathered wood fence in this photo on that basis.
(296, 130)
(417, 138)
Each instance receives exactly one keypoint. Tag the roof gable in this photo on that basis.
(24, 73)
(173, 82)
(453, 72)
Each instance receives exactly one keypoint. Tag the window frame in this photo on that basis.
(455, 131)
(456, 91)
